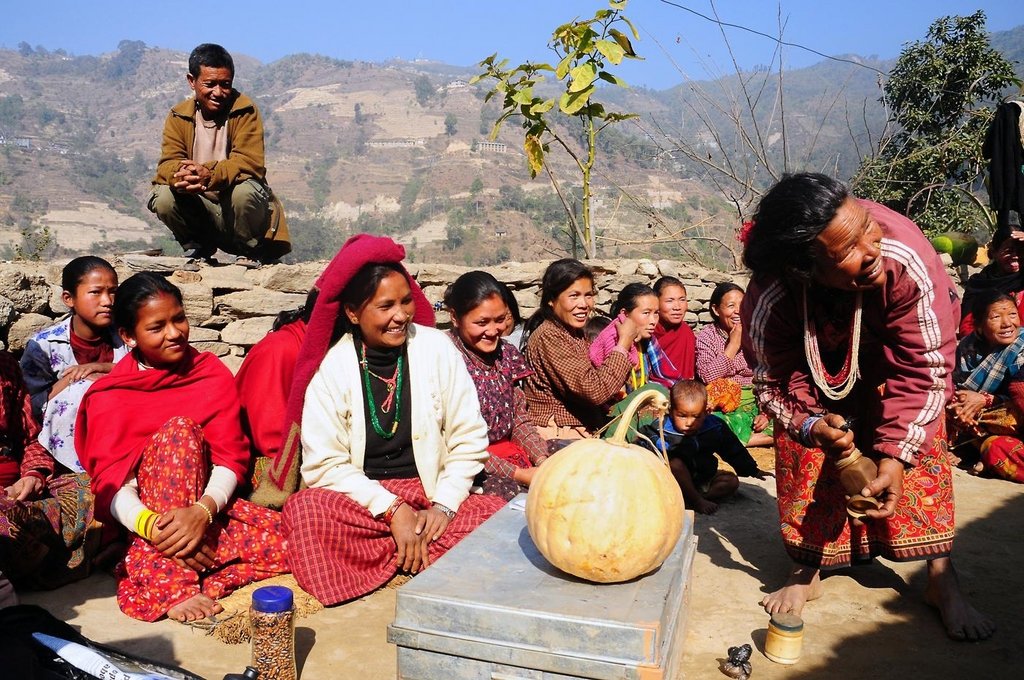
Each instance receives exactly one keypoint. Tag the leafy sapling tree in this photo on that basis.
(940, 98)
(583, 48)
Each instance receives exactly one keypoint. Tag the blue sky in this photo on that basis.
(674, 42)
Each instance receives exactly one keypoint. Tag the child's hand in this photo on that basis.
(82, 371)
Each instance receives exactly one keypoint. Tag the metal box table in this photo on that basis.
(494, 609)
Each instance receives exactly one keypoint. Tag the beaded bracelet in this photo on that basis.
(209, 514)
(989, 399)
(805, 430)
(389, 514)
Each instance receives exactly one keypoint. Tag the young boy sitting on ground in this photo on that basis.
(692, 438)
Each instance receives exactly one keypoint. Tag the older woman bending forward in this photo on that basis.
(851, 319)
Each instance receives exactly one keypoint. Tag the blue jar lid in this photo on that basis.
(272, 599)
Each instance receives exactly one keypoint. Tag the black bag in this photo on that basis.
(25, 659)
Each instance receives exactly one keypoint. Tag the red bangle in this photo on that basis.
(389, 514)
(989, 399)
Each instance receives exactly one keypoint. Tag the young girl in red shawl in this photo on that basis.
(147, 434)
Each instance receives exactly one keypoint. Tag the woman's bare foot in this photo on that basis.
(197, 607)
(962, 621)
(803, 584)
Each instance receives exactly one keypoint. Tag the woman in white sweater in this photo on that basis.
(392, 438)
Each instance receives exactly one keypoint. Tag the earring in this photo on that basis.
(131, 344)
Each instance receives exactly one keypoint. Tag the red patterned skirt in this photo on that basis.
(247, 539)
(817, 531)
(1003, 456)
(338, 551)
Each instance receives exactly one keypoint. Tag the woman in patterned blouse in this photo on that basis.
(478, 311)
(723, 368)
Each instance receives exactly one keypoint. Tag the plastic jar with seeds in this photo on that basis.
(272, 620)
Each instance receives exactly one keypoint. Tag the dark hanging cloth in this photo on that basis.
(1005, 152)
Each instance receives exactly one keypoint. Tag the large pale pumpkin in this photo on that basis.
(606, 510)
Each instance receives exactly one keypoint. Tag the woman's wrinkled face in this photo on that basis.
(849, 250)
(573, 305)
(481, 328)
(160, 334)
(645, 315)
(384, 319)
(672, 306)
(1000, 325)
(727, 312)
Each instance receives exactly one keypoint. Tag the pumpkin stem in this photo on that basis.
(657, 400)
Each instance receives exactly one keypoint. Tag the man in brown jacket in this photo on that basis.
(210, 187)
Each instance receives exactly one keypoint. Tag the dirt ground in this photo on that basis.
(871, 622)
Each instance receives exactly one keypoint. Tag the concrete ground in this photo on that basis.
(871, 622)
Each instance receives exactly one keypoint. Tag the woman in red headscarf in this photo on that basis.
(391, 430)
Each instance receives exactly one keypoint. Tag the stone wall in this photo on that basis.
(231, 308)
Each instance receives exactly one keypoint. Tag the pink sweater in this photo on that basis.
(605, 342)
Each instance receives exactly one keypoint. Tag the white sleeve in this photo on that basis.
(126, 506)
(221, 486)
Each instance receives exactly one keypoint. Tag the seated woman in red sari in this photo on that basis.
(148, 433)
(988, 407)
(264, 381)
(850, 315)
(478, 311)
(391, 431)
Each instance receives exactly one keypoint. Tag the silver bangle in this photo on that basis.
(448, 512)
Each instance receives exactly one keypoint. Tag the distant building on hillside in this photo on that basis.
(495, 147)
(395, 143)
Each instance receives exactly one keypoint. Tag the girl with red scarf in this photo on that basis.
(147, 434)
(674, 336)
